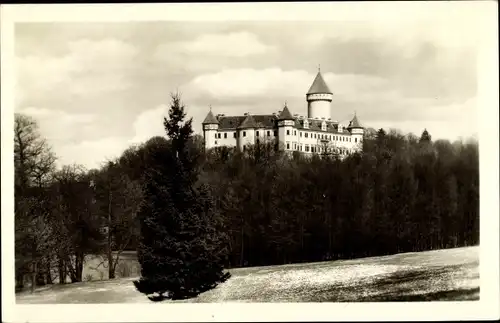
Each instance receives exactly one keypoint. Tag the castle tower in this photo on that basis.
(357, 132)
(210, 128)
(286, 123)
(319, 98)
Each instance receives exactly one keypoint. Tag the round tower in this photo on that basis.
(286, 125)
(319, 98)
(357, 131)
(210, 129)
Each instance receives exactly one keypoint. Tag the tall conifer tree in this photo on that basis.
(182, 248)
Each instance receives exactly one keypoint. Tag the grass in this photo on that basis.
(446, 275)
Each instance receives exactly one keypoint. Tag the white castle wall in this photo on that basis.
(319, 105)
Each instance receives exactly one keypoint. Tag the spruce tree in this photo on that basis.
(182, 248)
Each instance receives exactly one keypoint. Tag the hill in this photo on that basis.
(451, 274)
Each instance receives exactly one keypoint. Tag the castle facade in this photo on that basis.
(316, 133)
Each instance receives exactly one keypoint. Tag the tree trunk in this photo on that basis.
(48, 274)
(62, 270)
(111, 267)
(242, 258)
(40, 275)
(33, 276)
(20, 278)
(79, 267)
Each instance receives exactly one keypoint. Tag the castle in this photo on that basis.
(317, 133)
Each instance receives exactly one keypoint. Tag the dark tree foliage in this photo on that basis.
(182, 245)
(400, 195)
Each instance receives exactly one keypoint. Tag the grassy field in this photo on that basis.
(451, 274)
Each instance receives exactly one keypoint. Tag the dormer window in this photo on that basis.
(323, 126)
(340, 128)
(306, 124)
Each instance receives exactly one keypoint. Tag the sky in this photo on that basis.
(97, 88)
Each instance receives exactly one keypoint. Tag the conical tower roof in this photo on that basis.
(285, 114)
(249, 122)
(355, 123)
(210, 119)
(319, 85)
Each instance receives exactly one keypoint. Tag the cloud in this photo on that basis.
(233, 83)
(450, 121)
(87, 68)
(91, 153)
(212, 51)
(247, 82)
(234, 44)
(60, 126)
(149, 124)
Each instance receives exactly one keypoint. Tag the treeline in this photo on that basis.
(402, 193)
(62, 215)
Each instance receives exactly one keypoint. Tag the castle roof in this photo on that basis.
(285, 114)
(210, 119)
(248, 122)
(332, 127)
(238, 122)
(354, 123)
(319, 86)
(270, 122)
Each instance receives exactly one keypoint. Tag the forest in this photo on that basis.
(402, 193)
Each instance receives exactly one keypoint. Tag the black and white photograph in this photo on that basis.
(287, 154)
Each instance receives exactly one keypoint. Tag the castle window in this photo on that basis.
(268, 133)
(314, 136)
(225, 135)
(275, 133)
(256, 133)
(287, 132)
(306, 134)
(355, 139)
(216, 142)
(234, 134)
(300, 133)
(307, 148)
(244, 133)
(287, 145)
(295, 132)
(300, 147)
(294, 146)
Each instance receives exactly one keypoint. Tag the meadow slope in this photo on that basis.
(451, 274)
